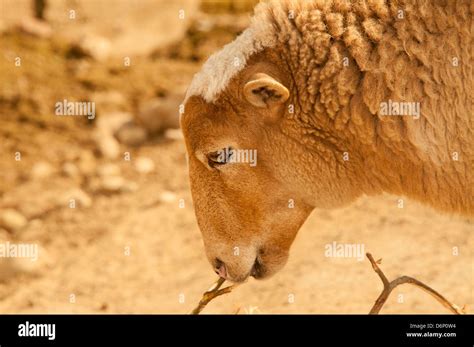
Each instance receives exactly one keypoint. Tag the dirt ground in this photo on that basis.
(138, 249)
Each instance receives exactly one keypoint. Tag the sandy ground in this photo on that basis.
(141, 251)
(166, 270)
(131, 26)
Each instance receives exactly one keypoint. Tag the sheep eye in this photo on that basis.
(220, 157)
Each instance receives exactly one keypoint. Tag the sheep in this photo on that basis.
(339, 100)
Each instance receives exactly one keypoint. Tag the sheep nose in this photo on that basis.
(220, 268)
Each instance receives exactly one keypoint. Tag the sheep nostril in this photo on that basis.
(255, 268)
(220, 268)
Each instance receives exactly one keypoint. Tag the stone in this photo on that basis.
(112, 185)
(41, 170)
(160, 114)
(108, 146)
(92, 46)
(108, 169)
(144, 165)
(35, 27)
(131, 134)
(174, 134)
(14, 266)
(70, 170)
(110, 122)
(12, 220)
(129, 187)
(81, 198)
(167, 196)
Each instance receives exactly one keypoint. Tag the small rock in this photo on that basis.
(205, 24)
(167, 196)
(80, 68)
(80, 196)
(144, 165)
(112, 121)
(174, 134)
(112, 184)
(25, 266)
(131, 134)
(12, 220)
(129, 187)
(35, 27)
(95, 47)
(41, 170)
(109, 169)
(29, 265)
(70, 170)
(108, 146)
(160, 114)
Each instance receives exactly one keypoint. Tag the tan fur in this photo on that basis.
(336, 113)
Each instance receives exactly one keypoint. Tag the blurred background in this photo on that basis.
(107, 199)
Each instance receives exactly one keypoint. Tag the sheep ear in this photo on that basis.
(263, 90)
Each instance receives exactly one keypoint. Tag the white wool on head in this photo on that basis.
(225, 64)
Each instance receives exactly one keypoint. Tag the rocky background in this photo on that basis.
(107, 199)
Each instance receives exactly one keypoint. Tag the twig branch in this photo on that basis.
(388, 287)
(212, 293)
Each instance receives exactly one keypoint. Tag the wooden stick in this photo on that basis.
(389, 286)
(212, 293)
